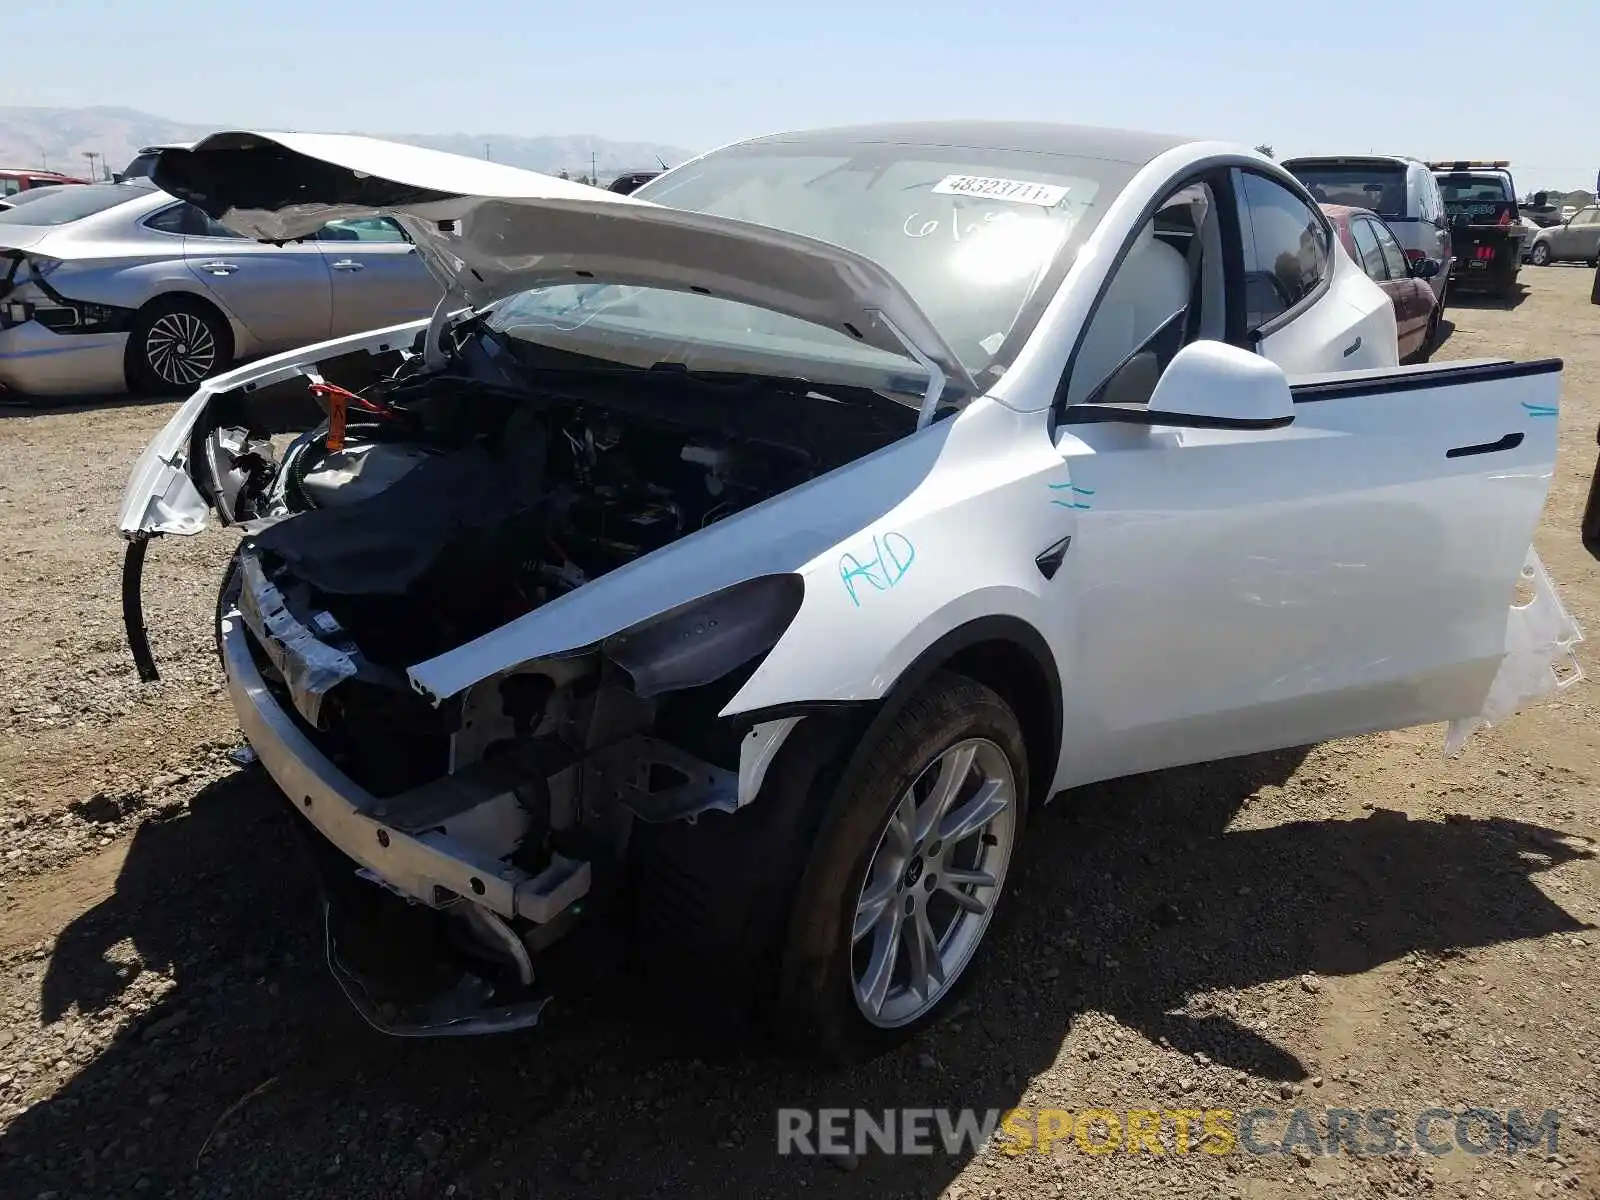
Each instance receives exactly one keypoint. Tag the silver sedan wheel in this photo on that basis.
(1541, 254)
(933, 882)
(180, 348)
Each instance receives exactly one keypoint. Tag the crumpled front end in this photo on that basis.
(457, 842)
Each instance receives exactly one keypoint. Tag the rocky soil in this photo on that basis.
(1363, 924)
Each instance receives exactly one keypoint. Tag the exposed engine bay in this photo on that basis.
(426, 510)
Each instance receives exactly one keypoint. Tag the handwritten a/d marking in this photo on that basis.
(892, 556)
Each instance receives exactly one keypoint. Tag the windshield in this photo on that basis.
(1380, 187)
(70, 204)
(967, 232)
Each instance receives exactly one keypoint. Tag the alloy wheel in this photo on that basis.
(180, 348)
(933, 882)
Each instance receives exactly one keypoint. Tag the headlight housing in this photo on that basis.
(699, 642)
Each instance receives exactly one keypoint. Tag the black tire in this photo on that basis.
(176, 343)
(818, 1013)
(230, 575)
(708, 902)
(1430, 340)
(1539, 256)
(1505, 287)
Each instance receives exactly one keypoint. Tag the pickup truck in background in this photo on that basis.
(1480, 202)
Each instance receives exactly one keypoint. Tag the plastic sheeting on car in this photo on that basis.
(1539, 661)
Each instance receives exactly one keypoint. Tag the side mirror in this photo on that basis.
(1426, 268)
(1207, 385)
(1460, 223)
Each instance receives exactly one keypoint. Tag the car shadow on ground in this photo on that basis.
(1474, 299)
(15, 404)
(1141, 899)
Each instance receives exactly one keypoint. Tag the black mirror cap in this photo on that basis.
(1427, 268)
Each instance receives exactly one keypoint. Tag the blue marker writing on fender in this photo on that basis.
(1540, 410)
(892, 556)
(1072, 490)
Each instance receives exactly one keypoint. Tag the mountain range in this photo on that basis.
(61, 138)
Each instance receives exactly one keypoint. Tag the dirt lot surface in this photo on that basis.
(1363, 924)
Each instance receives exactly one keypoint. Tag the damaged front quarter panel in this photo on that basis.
(162, 495)
(165, 492)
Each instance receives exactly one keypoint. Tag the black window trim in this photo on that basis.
(1414, 379)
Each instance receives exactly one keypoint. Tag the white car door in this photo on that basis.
(1346, 568)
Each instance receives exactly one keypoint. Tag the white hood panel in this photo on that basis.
(516, 229)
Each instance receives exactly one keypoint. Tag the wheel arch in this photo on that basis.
(1004, 653)
(1010, 657)
(182, 297)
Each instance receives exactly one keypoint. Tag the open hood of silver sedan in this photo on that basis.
(489, 231)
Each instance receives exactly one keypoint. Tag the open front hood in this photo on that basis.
(489, 231)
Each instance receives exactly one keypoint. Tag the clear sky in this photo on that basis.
(1516, 79)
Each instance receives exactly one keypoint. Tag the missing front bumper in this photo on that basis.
(418, 924)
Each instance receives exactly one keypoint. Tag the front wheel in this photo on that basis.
(906, 874)
(1541, 255)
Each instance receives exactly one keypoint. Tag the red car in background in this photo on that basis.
(20, 179)
(1404, 279)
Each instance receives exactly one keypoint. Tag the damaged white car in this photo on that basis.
(742, 559)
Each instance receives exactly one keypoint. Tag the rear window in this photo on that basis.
(1378, 186)
(1470, 189)
(71, 204)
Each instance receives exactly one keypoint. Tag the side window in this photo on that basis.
(9, 185)
(1371, 255)
(1429, 205)
(1393, 256)
(1588, 216)
(188, 220)
(1167, 291)
(1284, 241)
(204, 226)
(172, 219)
(361, 229)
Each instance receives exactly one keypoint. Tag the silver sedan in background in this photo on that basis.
(119, 286)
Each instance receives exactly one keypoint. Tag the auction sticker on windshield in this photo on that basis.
(1045, 195)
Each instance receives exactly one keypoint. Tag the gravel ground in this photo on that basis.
(1362, 924)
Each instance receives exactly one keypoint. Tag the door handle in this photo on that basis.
(346, 264)
(1509, 442)
(220, 268)
(1352, 348)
